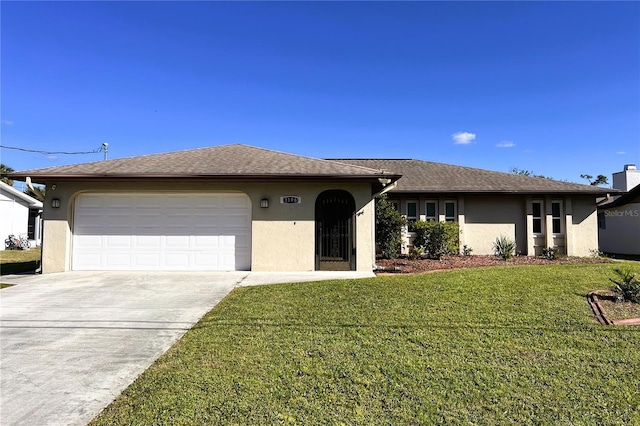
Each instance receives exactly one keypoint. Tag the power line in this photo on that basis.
(95, 151)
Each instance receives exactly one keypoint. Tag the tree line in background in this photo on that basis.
(599, 180)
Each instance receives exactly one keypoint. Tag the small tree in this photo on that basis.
(600, 180)
(389, 223)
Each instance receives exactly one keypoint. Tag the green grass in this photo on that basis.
(17, 261)
(505, 345)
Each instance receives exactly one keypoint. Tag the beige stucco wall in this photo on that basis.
(483, 218)
(582, 236)
(283, 235)
(490, 217)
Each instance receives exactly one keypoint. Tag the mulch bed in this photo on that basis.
(608, 310)
(406, 266)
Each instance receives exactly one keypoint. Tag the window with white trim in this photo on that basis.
(431, 210)
(450, 211)
(538, 217)
(412, 213)
(556, 217)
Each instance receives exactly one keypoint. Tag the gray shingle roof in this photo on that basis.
(430, 177)
(223, 161)
(633, 196)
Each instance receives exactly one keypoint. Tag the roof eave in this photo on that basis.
(32, 202)
(624, 198)
(503, 192)
(41, 178)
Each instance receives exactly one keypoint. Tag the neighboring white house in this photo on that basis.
(20, 215)
(619, 219)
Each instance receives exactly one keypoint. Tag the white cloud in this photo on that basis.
(463, 138)
(621, 152)
(505, 144)
(52, 157)
(7, 122)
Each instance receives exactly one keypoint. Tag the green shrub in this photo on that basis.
(627, 286)
(504, 247)
(389, 223)
(437, 238)
(466, 250)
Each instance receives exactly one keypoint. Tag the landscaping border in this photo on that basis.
(601, 315)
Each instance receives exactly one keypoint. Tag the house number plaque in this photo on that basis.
(290, 199)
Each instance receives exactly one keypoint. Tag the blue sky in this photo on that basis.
(552, 87)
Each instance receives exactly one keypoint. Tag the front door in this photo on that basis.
(335, 247)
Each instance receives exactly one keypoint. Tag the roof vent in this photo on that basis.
(630, 167)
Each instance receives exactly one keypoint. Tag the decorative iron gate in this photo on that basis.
(335, 248)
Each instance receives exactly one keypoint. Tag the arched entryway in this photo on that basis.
(335, 243)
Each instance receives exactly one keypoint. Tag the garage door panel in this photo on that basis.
(235, 200)
(178, 260)
(242, 241)
(89, 242)
(119, 241)
(162, 231)
(89, 258)
(90, 200)
(177, 241)
(206, 241)
(114, 261)
(147, 260)
(143, 241)
(228, 258)
(147, 231)
(236, 221)
(228, 241)
(92, 220)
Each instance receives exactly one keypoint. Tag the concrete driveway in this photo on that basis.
(72, 342)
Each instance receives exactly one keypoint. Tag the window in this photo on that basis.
(556, 216)
(537, 217)
(602, 222)
(431, 210)
(31, 224)
(412, 211)
(450, 211)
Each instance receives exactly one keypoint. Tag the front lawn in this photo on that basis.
(17, 261)
(504, 345)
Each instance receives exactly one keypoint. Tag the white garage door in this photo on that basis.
(161, 231)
